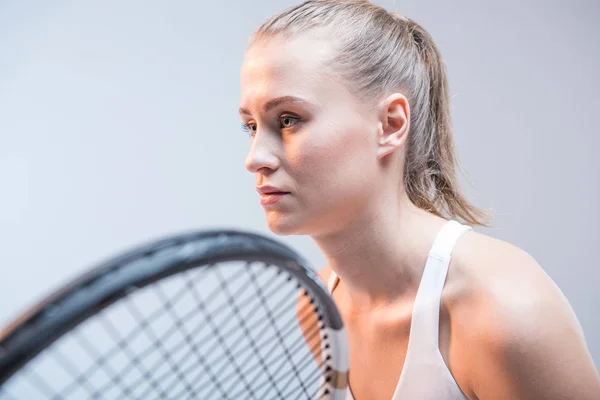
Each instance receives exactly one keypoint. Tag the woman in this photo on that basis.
(348, 110)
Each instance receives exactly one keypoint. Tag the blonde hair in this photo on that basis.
(381, 51)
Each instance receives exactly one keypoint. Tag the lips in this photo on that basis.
(270, 194)
(266, 189)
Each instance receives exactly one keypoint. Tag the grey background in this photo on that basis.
(118, 124)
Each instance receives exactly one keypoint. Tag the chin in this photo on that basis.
(284, 224)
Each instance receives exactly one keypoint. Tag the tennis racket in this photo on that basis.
(205, 315)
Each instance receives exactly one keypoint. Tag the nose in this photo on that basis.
(263, 153)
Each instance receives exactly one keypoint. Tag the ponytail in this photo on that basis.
(431, 162)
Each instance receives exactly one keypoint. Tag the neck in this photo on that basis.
(380, 255)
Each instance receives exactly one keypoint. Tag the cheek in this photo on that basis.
(333, 163)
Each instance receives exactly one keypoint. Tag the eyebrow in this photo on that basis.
(275, 102)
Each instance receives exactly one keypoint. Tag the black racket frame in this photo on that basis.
(112, 280)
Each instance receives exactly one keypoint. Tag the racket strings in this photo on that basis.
(220, 360)
(202, 360)
(298, 343)
(136, 360)
(279, 336)
(100, 363)
(306, 359)
(199, 327)
(79, 379)
(245, 329)
(220, 339)
(312, 377)
(237, 340)
(308, 356)
(269, 353)
(42, 386)
(158, 343)
(121, 346)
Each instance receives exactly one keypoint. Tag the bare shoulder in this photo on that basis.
(515, 328)
(505, 286)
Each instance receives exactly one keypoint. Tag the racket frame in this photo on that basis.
(64, 309)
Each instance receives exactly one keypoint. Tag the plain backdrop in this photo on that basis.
(118, 125)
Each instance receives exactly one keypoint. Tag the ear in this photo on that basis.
(395, 121)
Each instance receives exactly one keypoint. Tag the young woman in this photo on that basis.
(351, 143)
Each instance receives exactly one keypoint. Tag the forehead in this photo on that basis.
(280, 66)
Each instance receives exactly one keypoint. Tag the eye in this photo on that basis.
(249, 127)
(287, 121)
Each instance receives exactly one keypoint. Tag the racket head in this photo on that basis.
(110, 283)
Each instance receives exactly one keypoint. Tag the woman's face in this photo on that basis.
(313, 145)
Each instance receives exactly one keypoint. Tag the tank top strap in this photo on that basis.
(446, 239)
(424, 329)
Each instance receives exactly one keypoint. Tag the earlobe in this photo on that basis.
(394, 124)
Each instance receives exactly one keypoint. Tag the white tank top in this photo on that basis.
(425, 375)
